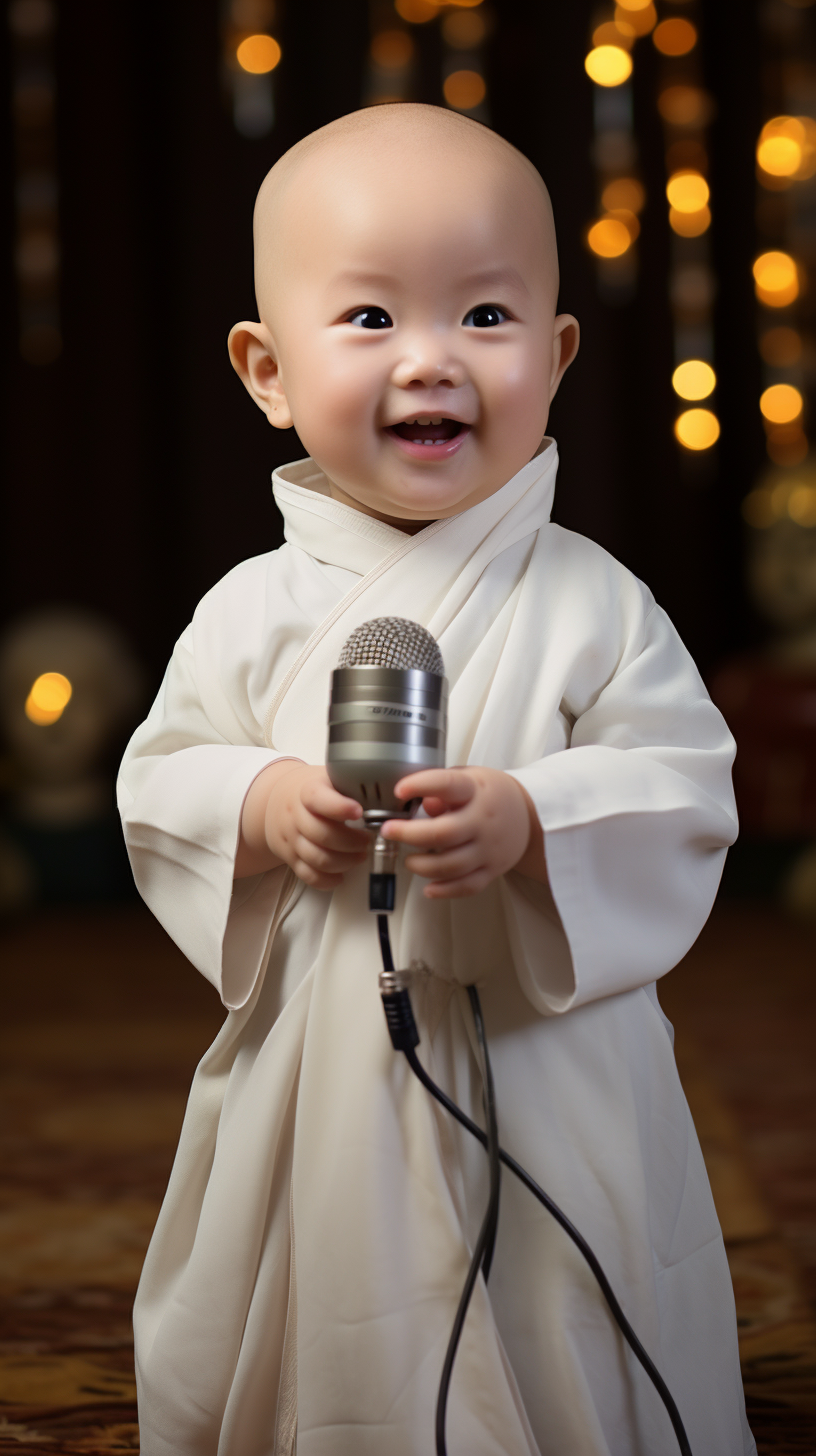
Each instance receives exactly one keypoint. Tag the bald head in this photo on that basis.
(392, 153)
(406, 277)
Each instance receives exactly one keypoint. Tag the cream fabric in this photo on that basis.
(309, 1256)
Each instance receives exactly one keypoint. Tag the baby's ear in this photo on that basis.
(566, 337)
(254, 357)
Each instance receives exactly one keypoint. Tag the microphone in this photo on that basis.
(387, 718)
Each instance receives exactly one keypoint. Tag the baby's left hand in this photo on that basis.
(478, 828)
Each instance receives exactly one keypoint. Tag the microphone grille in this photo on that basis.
(393, 642)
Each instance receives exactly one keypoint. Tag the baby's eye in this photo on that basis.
(485, 316)
(370, 318)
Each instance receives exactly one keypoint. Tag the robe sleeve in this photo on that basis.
(637, 814)
(181, 791)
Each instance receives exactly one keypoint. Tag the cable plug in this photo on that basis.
(399, 1013)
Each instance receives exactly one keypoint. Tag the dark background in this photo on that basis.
(137, 467)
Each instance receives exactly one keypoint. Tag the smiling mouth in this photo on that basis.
(427, 432)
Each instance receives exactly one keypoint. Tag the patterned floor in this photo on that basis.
(103, 1024)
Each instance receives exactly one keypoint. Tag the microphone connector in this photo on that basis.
(399, 1015)
(382, 882)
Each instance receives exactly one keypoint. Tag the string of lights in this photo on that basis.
(32, 24)
(685, 110)
(464, 31)
(390, 74)
(250, 54)
(612, 236)
(786, 225)
(464, 26)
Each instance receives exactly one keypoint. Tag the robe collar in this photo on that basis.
(339, 535)
(432, 575)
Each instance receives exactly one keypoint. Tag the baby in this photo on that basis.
(301, 1284)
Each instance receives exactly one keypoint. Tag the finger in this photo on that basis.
(324, 800)
(434, 807)
(452, 866)
(450, 785)
(464, 888)
(314, 878)
(448, 831)
(326, 861)
(329, 834)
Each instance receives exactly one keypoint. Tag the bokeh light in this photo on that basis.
(608, 65)
(416, 12)
(786, 150)
(614, 33)
(464, 29)
(694, 379)
(802, 505)
(258, 54)
(684, 106)
(781, 404)
(781, 347)
(634, 5)
(807, 166)
(687, 191)
(464, 89)
(675, 37)
(786, 444)
(689, 224)
(776, 279)
(697, 429)
(609, 237)
(50, 695)
(794, 498)
(640, 21)
(392, 49)
(624, 193)
(791, 498)
(780, 146)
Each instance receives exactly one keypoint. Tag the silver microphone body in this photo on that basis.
(385, 721)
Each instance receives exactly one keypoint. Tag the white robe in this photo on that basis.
(310, 1253)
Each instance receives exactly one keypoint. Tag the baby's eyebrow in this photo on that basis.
(507, 276)
(362, 278)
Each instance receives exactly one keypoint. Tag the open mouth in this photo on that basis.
(428, 432)
(429, 437)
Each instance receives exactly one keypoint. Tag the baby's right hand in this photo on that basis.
(293, 816)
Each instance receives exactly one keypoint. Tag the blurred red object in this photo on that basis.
(771, 711)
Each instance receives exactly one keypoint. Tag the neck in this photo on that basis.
(399, 522)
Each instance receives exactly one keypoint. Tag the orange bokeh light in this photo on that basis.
(608, 65)
(50, 695)
(626, 193)
(258, 54)
(776, 279)
(609, 237)
(697, 429)
(781, 404)
(464, 89)
(392, 49)
(675, 37)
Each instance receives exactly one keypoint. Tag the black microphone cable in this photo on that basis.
(405, 1038)
(486, 1241)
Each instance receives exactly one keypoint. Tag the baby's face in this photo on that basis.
(412, 321)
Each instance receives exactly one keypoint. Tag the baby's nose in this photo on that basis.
(429, 364)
